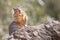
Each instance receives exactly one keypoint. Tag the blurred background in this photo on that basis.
(37, 11)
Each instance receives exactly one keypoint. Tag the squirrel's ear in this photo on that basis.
(14, 9)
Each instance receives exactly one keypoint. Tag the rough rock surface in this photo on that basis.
(46, 31)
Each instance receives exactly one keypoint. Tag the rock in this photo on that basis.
(39, 32)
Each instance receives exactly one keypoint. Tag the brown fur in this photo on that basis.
(20, 18)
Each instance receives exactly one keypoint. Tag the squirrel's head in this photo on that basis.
(16, 11)
(19, 15)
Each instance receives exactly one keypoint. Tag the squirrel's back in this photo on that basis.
(12, 27)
